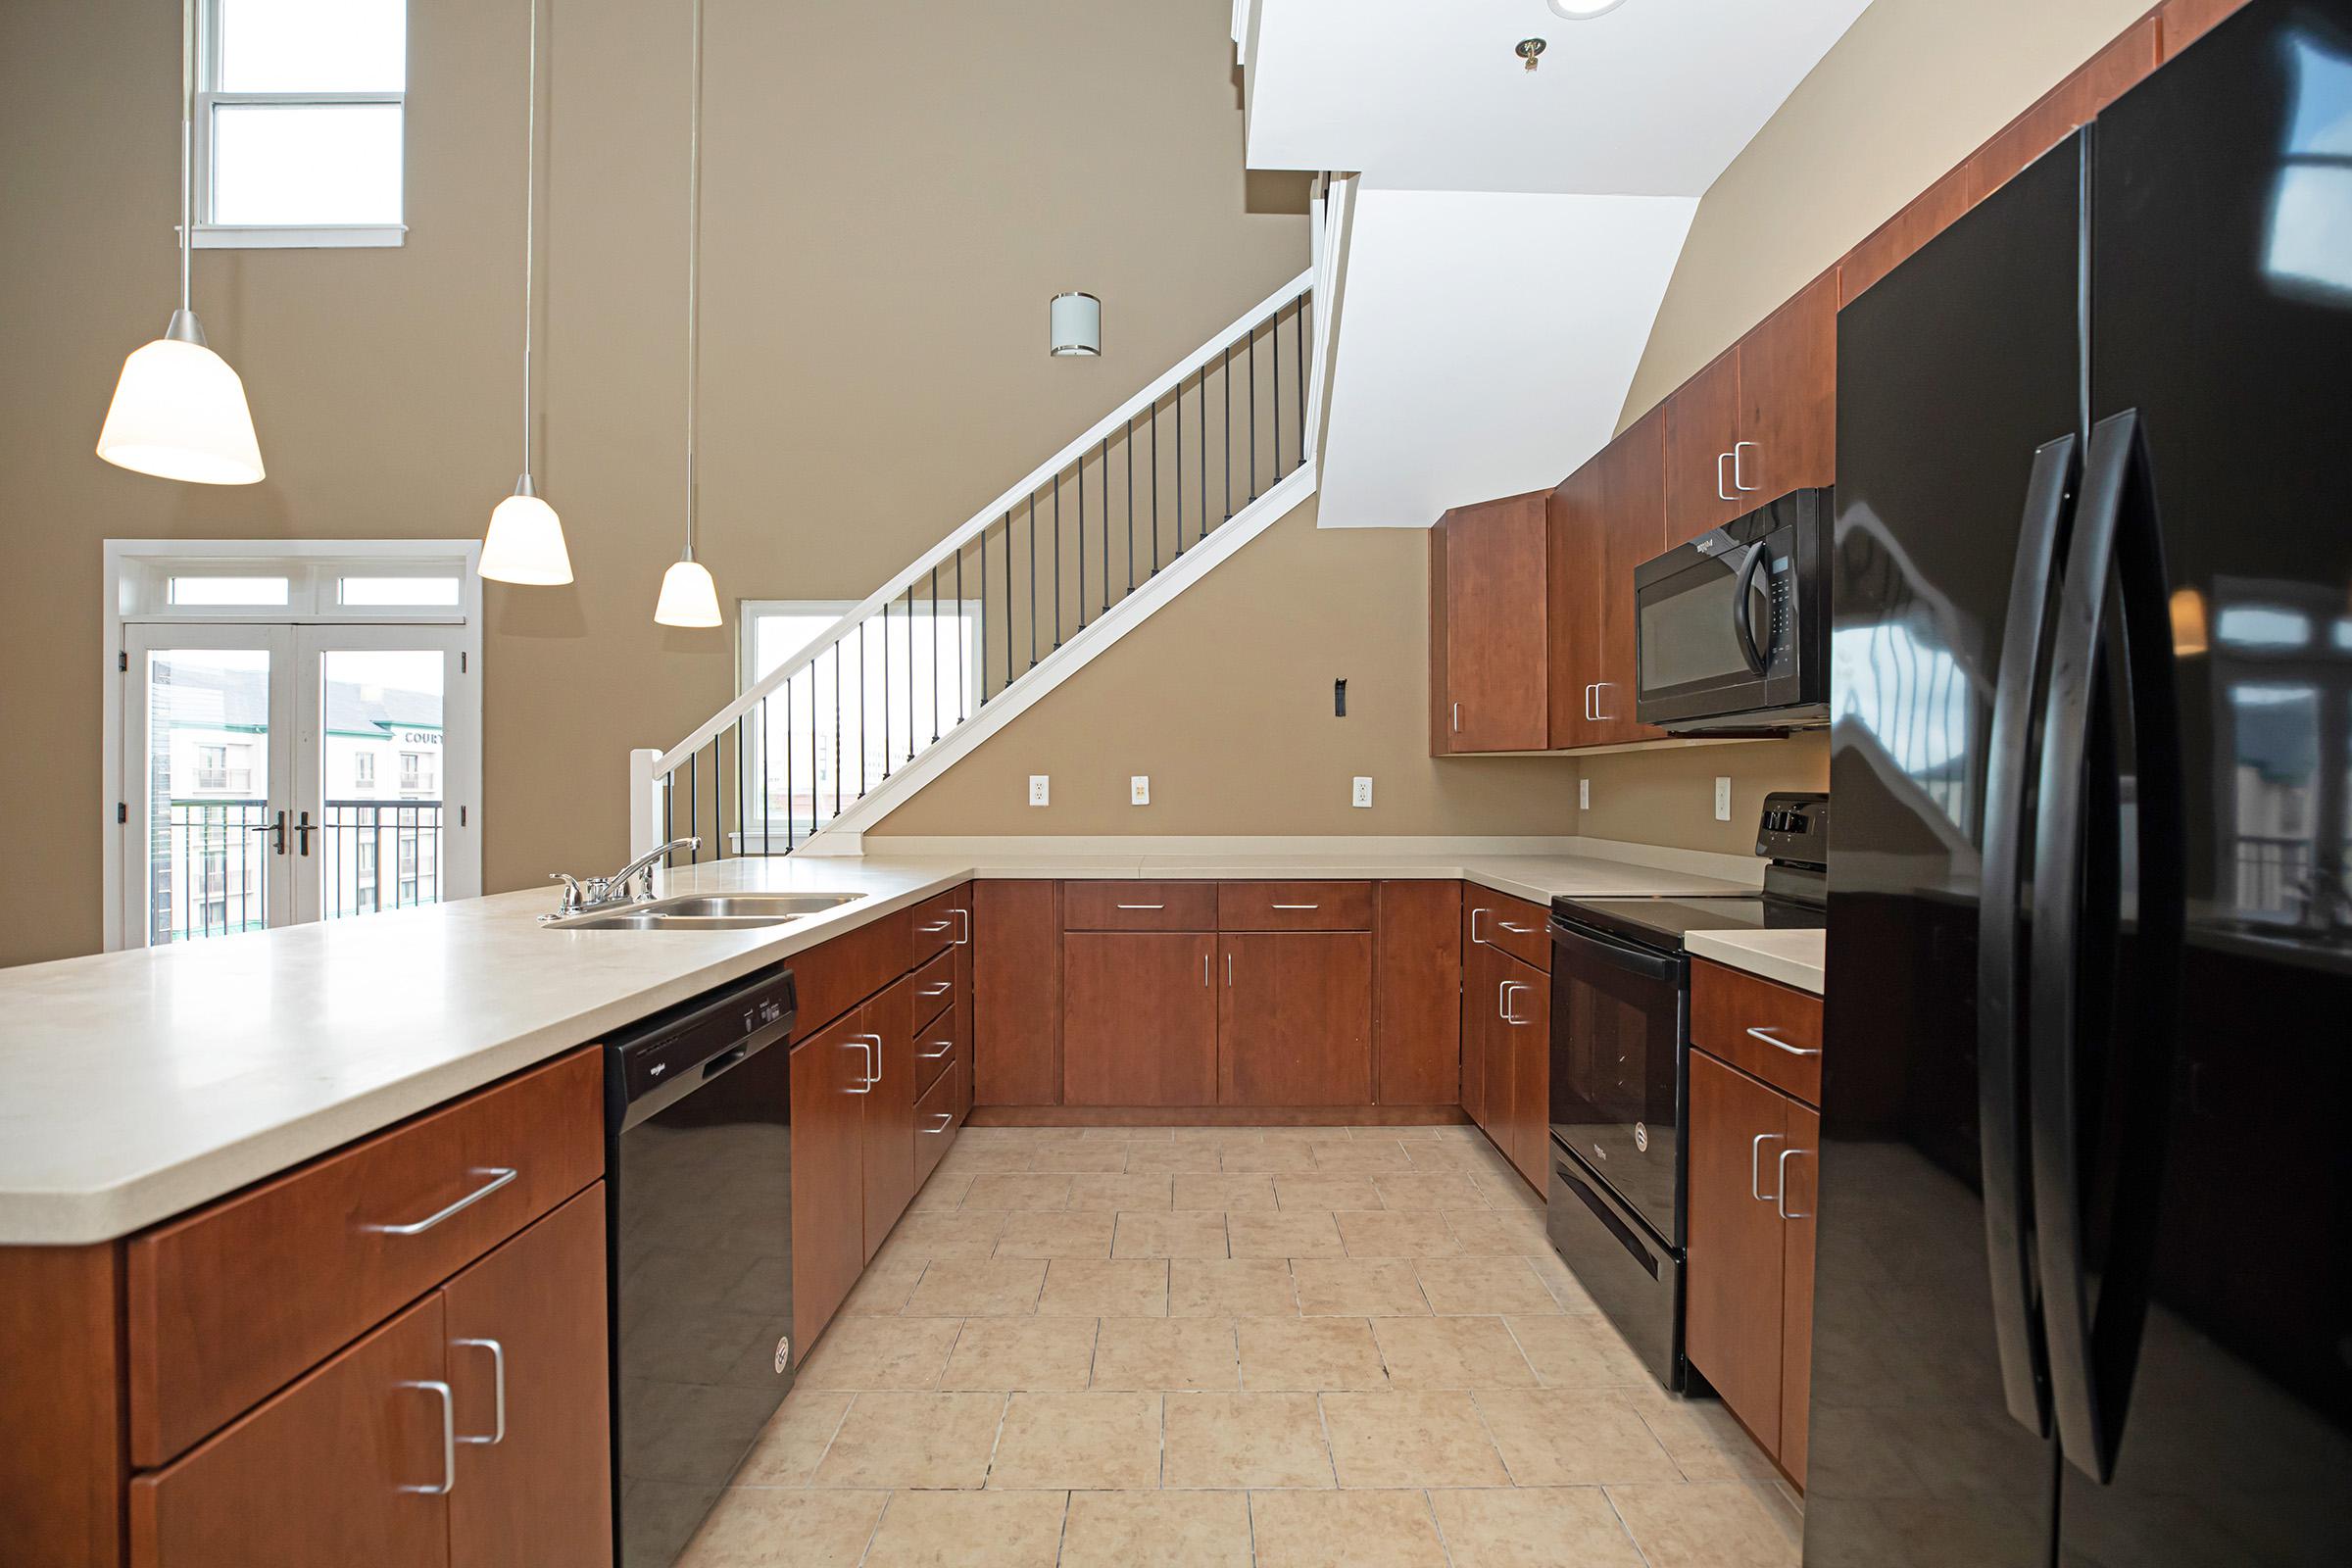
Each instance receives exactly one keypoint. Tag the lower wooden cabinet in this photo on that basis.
(887, 1110)
(1138, 1018)
(1525, 1003)
(828, 1173)
(1295, 1018)
(1417, 1005)
(1799, 1181)
(1016, 992)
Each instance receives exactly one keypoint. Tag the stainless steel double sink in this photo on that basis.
(706, 912)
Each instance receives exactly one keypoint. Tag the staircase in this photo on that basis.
(1004, 609)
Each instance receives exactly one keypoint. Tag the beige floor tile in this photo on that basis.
(1288, 1355)
(1077, 1442)
(914, 1440)
(1090, 1287)
(879, 1352)
(943, 1529)
(1704, 1441)
(1094, 1191)
(1060, 1233)
(1722, 1524)
(1418, 1437)
(1498, 1231)
(1172, 1352)
(1172, 1158)
(952, 1233)
(968, 1159)
(1449, 1155)
(1156, 1529)
(1360, 1287)
(1007, 1353)
(1573, 1438)
(1325, 1193)
(1224, 1191)
(1268, 1157)
(1126, 1135)
(1424, 1190)
(1190, 1234)
(762, 1527)
(1507, 1190)
(1283, 1234)
(940, 1192)
(1426, 1131)
(1246, 1440)
(966, 1287)
(1563, 1284)
(884, 1285)
(1386, 1235)
(1533, 1527)
(1475, 1286)
(1361, 1158)
(1583, 1351)
(1451, 1353)
(1345, 1529)
(1017, 1192)
(1025, 1137)
(795, 1439)
(1099, 1158)
(1231, 1287)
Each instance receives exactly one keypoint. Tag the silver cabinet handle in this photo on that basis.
(1739, 472)
(1771, 1038)
(935, 927)
(1205, 968)
(1296, 905)
(1599, 687)
(1474, 936)
(1509, 1016)
(965, 940)
(939, 990)
(1139, 905)
(1756, 1176)
(1589, 713)
(1721, 494)
(945, 1117)
(1229, 967)
(946, 1048)
(449, 1437)
(1780, 1199)
(872, 1077)
(874, 1055)
(1517, 931)
(498, 1176)
(498, 1363)
(1457, 718)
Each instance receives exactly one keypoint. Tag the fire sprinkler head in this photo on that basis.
(1529, 49)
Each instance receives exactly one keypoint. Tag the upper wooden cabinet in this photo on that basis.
(1702, 428)
(2183, 21)
(2101, 80)
(1604, 521)
(1787, 438)
(1487, 636)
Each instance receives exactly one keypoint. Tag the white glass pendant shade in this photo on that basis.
(1582, 10)
(525, 542)
(179, 413)
(689, 598)
(1076, 320)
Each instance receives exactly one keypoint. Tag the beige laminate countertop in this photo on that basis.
(1797, 959)
(140, 1084)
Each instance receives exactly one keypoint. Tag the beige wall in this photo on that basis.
(1668, 797)
(892, 193)
(1910, 90)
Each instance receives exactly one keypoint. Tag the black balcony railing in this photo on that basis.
(206, 874)
(380, 854)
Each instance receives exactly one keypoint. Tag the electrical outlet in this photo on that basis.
(1363, 792)
(1723, 799)
(1583, 795)
(1138, 790)
(1039, 793)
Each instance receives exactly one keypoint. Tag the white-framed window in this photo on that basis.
(362, 770)
(301, 119)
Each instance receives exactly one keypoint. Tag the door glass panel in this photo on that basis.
(381, 756)
(208, 794)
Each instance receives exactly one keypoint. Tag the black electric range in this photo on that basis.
(1620, 1073)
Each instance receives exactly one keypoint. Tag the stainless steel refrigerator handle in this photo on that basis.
(1780, 1199)
(498, 1419)
(1771, 1038)
(2000, 1132)
(1755, 1171)
(449, 1436)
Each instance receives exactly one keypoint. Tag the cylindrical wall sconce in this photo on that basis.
(1077, 323)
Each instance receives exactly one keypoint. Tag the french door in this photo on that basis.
(281, 773)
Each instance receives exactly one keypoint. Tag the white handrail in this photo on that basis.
(759, 692)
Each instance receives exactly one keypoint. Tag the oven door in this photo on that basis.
(1716, 629)
(1617, 1019)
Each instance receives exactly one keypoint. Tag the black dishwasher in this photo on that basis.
(698, 1167)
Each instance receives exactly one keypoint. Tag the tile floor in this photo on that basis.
(1211, 1347)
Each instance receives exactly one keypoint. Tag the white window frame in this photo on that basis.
(137, 578)
(209, 235)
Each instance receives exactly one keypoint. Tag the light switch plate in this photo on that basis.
(1583, 795)
(1138, 790)
(1039, 793)
(1363, 792)
(1723, 799)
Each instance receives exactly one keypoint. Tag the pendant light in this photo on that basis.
(525, 541)
(689, 598)
(179, 410)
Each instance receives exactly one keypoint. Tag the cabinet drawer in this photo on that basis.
(940, 1043)
(1294, 905)
(941, 921)
(230, 1302)
(936, 1117)
(835, 976)
(1139, 905)
(1733, 1013)
(934, 990)
(1511, 925)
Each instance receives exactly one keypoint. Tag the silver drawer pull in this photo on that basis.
(1140, 906)
(946, 1048)
(1475, 912)
(1771, 1038)
(498, 1364)
(449, 1437)
(1505, 999)
(498, 1176)
(935, 927)
(945, 1117)
(1755, 1175)
(939, 990)
(965, 938)
(1780, 1199)
(1516, 930)
(1297, 905)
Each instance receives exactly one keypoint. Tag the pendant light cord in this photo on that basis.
(530, 219)
(693, 237)
(187, 149)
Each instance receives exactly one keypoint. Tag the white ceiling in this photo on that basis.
(1653, 99)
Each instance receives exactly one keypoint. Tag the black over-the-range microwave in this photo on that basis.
(1734, 628)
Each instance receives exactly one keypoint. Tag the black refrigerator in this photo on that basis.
(2084, 1289)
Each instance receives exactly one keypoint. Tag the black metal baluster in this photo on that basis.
(789, 835)
(983, 611)
(1128, 446)
(669, 788)
(1299, 357)
(1058, 560)
(1254, 413)
(1153, 427)
(1032, 587)
(963, 631)
(1176, 407)
(862, 689)
(910, 672)
(694, 810)
(1103, 471)
(1225, 358)
(1274, 333)
(1078, 478)
(935, 650)
(1204, 454)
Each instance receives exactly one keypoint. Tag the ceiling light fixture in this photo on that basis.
(1582, 10)
(525, 541)
(180, 412)
(688, 596)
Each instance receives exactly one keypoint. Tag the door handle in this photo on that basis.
(1229, 968)
(1756, 658)
(1457, 718)
(1721, 494)
(1780, 1199)
(498, 1176)
(303, 831)
(277, 831)
(1297, 905)
(1474, 936)
(937, 926)
(498, 1363)
(872, 1076)
(1517, 931)
(1589, 694)
(1139, 906)
(1755, 1173)
(939, 990)
(449, 1436)
(1771, 1038)
(1738, 482)
(965, 940)
(1509, 1016)
(1205, 968)
(945, 1117)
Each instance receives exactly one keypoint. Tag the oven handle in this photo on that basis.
(1618, 954)
(1756, 659)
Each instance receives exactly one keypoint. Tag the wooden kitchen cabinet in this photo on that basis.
(1799, 1183)
(1735, 1266)
(1606, 519)
(2091, 88)
(526, 1351)
(1016, 994)
(2183, 21)
(1488, 633)
(828, 1173)
(1138, 1018)
(1482, 1101)
(1417, 985)
(1702, 427)
(1523, 1007)
(1788, 434)
(1295, 1018)
(887, 1110)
